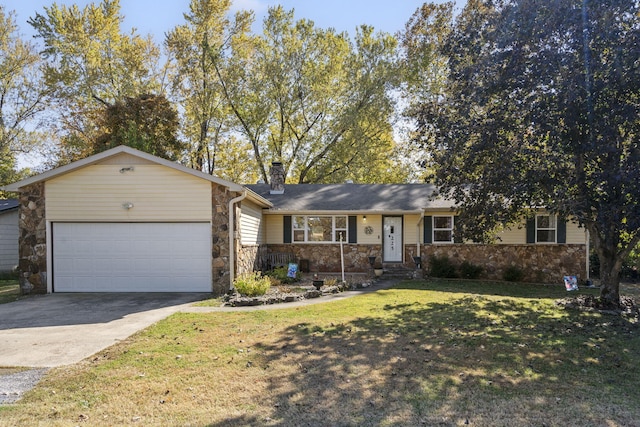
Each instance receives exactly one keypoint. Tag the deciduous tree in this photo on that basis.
(148, 123)
(196, 47)
(21, 95)
(90, 65)
(541, 110)
(313, 99)
(424, 70)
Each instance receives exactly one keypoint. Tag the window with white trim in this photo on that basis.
(316, 228)
(443, 229)
(546, 229)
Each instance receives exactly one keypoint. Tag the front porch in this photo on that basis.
(540, 263)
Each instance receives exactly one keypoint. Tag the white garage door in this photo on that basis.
(131, 257)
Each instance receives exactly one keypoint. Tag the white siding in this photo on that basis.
(274, 229)
(518, 235)
(512, 236)
(124, 159)
(98, 192)
(8, 240)
(373, 221)
(251, 224)
(411, 234)
(576, 234)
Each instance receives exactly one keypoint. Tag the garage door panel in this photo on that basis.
(131, 257)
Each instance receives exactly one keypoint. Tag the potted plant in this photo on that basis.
(318, 283)
(377, 269)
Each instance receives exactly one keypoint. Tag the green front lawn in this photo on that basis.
(434, 353)
(9, 290)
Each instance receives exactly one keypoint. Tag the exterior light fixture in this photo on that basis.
(127, 169)
(364, 218)
(127, 205)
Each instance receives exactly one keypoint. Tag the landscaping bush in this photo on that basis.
(280, 275)
(513, 273)
(332, 281)
(442, 267)
(470, 271)
(252, 284)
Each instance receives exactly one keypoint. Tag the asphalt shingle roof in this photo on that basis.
(353, 197)
(8, 204)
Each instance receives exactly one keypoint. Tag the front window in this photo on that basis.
(443, 229)
(319, 228)
(545, 228)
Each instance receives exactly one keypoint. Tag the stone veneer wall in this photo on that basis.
(540, 263)
(221, 277)
(247, 259)
(326, 257)
(32, 252)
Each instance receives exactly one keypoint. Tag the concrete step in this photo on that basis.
(400, 272)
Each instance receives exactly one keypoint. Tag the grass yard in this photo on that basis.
(9, 290)
(435, 353)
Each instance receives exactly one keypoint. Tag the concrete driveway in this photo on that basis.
(61, 329)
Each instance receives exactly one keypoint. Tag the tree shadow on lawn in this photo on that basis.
(506, 289)
(474, 360)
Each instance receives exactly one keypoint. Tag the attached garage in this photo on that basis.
(131, 257)
(127, 221)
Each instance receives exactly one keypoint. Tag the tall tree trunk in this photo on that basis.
(612, 253)
(610, 266)
(202, 141)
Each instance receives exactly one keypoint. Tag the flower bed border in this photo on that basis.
(275, 296)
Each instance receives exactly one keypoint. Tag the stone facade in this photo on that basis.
(221, 276)
(326, 257)
(248, 259)
(32, 263)
(540, 263)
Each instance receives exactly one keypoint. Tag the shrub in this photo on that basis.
(274, 281)
(513, 273)
(470, 271)
(332, 281)
(280, 274)
(252, 284)
(442, 267)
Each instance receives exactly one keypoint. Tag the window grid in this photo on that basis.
(546, 229)
(443, 229)
(319, 228)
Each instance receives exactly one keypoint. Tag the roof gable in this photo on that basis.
(124, 155)
(109, 156)
(8, 205)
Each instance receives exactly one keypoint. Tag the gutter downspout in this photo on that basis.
(418, 233)
(232, 236)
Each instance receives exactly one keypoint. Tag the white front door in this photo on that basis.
(392, 239)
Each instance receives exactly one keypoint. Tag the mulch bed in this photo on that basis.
(290, 293)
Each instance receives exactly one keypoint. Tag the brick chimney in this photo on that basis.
(277, 178)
